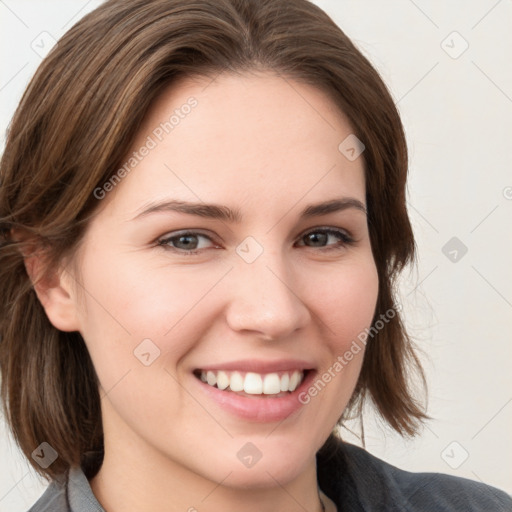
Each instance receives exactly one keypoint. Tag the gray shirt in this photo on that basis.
(353, 478)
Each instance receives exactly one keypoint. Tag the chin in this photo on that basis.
(264, 474)
(257, 462)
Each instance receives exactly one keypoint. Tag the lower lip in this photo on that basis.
(261, 408)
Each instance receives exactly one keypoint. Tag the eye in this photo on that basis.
(319, 237)
(186, 242)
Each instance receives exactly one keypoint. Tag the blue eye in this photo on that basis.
(188, 243)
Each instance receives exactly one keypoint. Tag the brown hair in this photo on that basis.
(74, 124)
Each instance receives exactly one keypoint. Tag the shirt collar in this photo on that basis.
(80, 495)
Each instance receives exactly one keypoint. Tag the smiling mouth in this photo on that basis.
(275, 384)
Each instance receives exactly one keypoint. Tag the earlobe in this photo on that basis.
(55, 294)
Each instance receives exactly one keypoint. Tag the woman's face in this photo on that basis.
(258, 303)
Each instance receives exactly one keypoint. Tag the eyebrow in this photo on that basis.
(216, 211)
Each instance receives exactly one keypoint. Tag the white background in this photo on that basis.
(458, 118)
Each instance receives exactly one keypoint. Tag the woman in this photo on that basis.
(203, 216)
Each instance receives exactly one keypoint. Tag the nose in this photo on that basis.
(264, 298)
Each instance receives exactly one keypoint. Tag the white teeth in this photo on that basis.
(254, 383)
(222, 380)
(285, 382)
(236, 383)
(271, 384)
(211, 378)
(294, 381)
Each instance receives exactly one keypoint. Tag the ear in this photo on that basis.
(55, 292)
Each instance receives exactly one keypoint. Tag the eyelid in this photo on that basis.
(346, 239)
(327, 229)
(183, 232)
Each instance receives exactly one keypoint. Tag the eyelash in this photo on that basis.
(346, 240)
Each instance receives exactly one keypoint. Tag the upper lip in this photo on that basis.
(260, 366)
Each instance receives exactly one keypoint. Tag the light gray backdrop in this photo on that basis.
(447, 64)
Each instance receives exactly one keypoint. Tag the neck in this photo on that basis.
(136, 477)
(128, 487)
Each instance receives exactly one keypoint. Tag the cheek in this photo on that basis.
(130, 300)
(136, 329)
(345, 301)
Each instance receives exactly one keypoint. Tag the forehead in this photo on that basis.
(241, 138)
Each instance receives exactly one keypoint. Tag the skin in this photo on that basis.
(269, 147)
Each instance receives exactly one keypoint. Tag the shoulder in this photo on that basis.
(381, 486)
(71, 493)
(428, 491)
